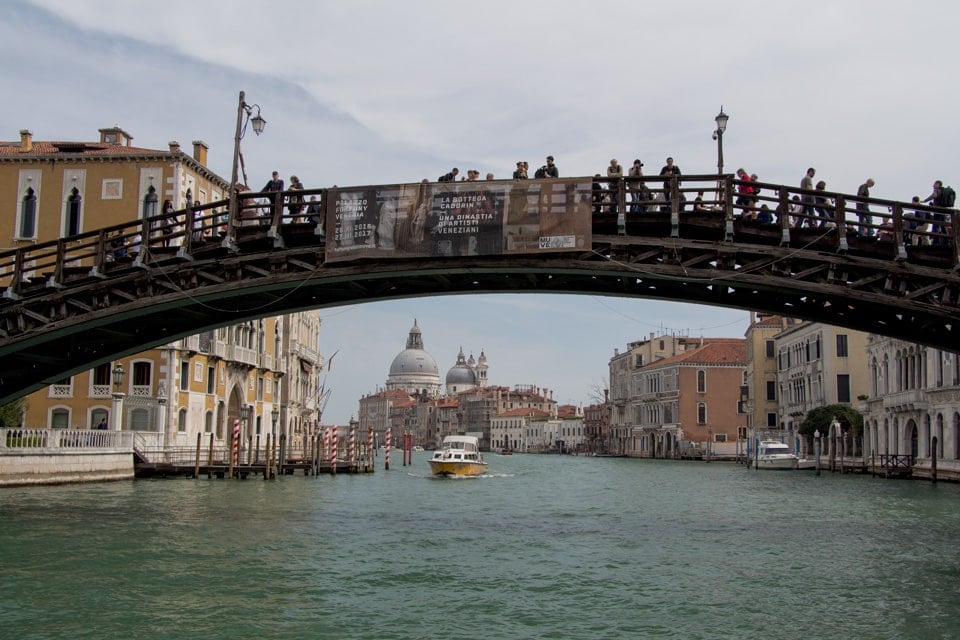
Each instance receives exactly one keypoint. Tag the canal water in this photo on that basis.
(542, 547)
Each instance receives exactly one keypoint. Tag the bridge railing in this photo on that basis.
(699, 206)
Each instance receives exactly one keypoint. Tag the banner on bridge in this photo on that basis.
(458, 219)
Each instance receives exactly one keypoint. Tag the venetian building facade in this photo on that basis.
(818, 365)
(761, 397)
(201, 384)
(688, 398)
(623, 392)
(912, 405)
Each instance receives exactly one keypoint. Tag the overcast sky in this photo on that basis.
(368, 92)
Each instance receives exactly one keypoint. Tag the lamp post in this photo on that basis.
(816, 448)
(117, 375)
(245, 114)
(721, 121)
(162, 413)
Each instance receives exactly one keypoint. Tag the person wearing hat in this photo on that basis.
(639, 193)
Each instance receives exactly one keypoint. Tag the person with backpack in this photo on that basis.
(449, 177)
(944, 197)
(548, 170)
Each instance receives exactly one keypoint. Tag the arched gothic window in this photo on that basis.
(74, 204)
(28, 214)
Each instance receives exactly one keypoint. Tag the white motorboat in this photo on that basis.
(458, 456)
(772, 454)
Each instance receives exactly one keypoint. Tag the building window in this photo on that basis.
(142, 374)
(771, 389)
(74, 202)
(60, 418)
(842, 349)
(185, 375)
(208, 422)
(102, 375)
(701, 413)
(198, 371)
(843, 388)
(771, 420)
(211, 378)
(770, 351)
(28, 214)
(719, 437)
(182, 420)
(97, 415)
(701, 381)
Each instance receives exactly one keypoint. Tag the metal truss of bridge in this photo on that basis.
(85, 300)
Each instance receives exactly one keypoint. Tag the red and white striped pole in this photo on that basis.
(236, 442)
(353, 445)
(333, 450)
(326, 444)
(370, 447)
(386, 462)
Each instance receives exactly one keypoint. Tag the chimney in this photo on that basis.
(174, 146)
(200, 151)
(26, 140)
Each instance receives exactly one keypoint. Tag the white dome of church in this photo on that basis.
(414, 370)
(461, 376)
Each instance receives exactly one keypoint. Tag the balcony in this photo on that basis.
(909, 400)
(243, 355)
(266, 361)
(191, 344)
(306, 353)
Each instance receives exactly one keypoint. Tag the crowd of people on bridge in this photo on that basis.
(813, 207)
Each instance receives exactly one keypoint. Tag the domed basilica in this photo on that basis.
(415, 372)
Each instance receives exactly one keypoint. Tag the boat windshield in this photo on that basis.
(776, 451)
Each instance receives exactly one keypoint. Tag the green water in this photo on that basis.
(545, 547)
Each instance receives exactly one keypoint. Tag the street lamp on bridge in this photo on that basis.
(245, 114)
(117, 375)
(721, 121)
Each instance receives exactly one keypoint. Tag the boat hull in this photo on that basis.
(785, 463)
(457, 468)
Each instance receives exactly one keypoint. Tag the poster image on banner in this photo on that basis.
(458, 219)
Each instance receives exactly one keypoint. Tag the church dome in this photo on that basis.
(413, 369)
(461, 376)
(414, 361)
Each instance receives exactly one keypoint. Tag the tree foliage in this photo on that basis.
(11, 414)
(821, 417)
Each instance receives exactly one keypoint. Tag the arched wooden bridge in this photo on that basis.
(81, 301)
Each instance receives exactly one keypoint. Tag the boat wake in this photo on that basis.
(430, 476)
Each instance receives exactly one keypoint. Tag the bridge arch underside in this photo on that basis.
(47, 337)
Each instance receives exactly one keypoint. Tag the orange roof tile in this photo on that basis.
(717, 351)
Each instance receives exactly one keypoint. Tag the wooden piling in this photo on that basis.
(210, 458)
(266, 459)
(933, 460)
(196, 464)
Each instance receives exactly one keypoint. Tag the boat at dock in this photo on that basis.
(775, 455)
(458, 456)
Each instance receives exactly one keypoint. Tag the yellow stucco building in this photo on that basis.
(201, 384)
